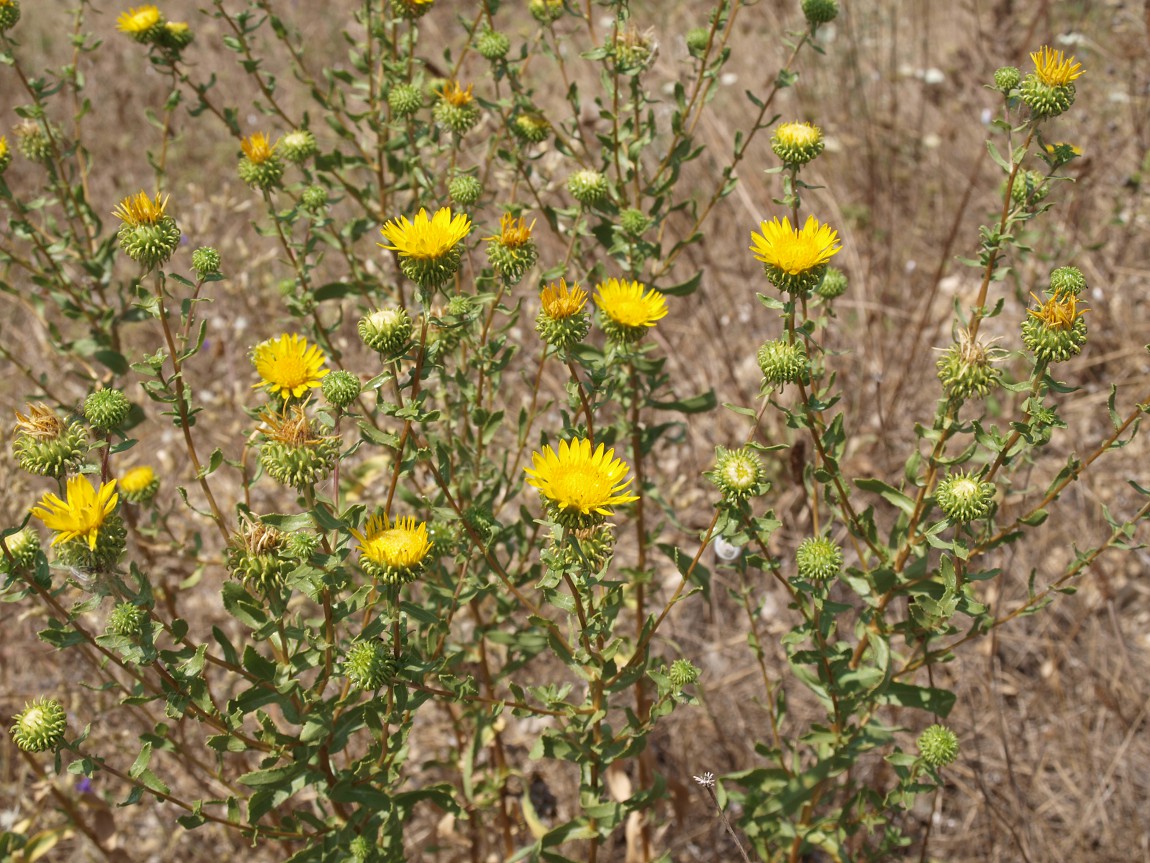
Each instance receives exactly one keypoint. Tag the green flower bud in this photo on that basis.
(834, 284)
(633, 222)
(47, 446)
(368, 665)
(739, 474)
(258, 556)
(967, 368)
(23, 546)
(386, 331)
(697, 39)
(298, 146)
(32, 141)
(797, 143)
(546, 11)
(820, 11)
(1056, 331)
(127, 620)
(530, 127)
(633, 51)
(9, 14)
(964, 498)
(588, 187)
(39, 726)
(206, 262)
(464, 190)
(783, 362)
(1006, 78)
(314, 199)
(411, 9)
(1067, 280)
(492, 45)
(818, 559)
(404, 99)
(938, 746)
(456, 108)
(175, 36)
(150, 245)
(106, 409)
(139, 485)
(340, 388)
(297, 453)
(682, 673)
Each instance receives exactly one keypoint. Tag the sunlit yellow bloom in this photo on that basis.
(139, 209)
(258, 147)
(397, 548)
(1052, 69)
(138, 20)
(81, 514)
(580, 484)
(426, 238)
(288, 365)
(629, 304)
(1060, 312)
(791, 251)
(798, 134)
(456, 95)
(137, 479)
(560, 302)
(513, 232)
(3, 146)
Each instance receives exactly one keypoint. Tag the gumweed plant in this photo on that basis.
(427, 533)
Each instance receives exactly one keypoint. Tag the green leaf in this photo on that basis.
(888, 493)
(936, 701)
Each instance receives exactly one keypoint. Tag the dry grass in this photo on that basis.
(1052, 712)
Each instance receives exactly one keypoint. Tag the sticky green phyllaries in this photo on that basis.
(387, 332)
(818, 559)
(260, 165)
(938, 746)
(32, 141)
(464, 190)
(546, 11)
(23, 547)
(340, 388)
(682, 673)
(834, 284)
(588, 187)
(1056, 330)
(1006, 78)
(1030, 189)
(964, 498)
(797, 143)
(456, 108)
(967, 368)
(296, 453)
(783, 362)
(820, 11)
(39, 726)
(9, 14)
(562, 321)
(492, 45)
(106, 409)
(530, 126)
(512, 252)
(313, 199)
(45, 445)
(206, 262)
(633, 222)
(738, 474)
(126, 620)
(1067, 280)
(368, 665)
(147, 234)
(1049, 90)
(404, 99)
(580, 550)
(259, 556)
(697, 39)
(298, 146)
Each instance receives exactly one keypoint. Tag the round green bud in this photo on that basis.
(340, 388)
(783, 362)
(464, 190)
(263, 572)
(126, 620)
(1006, 78)
(834, 284)
(588, 187)
(360, 849)
(150, 245)
(300, 464)
(738, 473)
(634, 222)
(492, 45)
(967, 368)
(368, 665)
(206, 262)
(313, 199)
(546, 11)
(300, 545)
(39, 726)
(797, 143)
(1044, 100)
(23, 546)
(938, 746)
(818, 559)
(386, 331)
(404, 99)
(682, 673)
(633, 50)
(963, 497)
(512, 261)
(32, 141)
(530, 127)
(459, 118)
(106, 409)
(1067, 280)
(9, 14)
(298, 146)
(820, 11)
(697, 39)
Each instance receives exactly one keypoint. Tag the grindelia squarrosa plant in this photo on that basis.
(405, 588)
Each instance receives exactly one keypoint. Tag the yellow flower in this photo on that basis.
(3, 146)
(795, 252)
(580, 486)
(513, 233)
(139, 209)
(456, 95)
(288, 366)
(798, 134)
(561, 302)
(627, 305)
(139, 20)
(426, 238)
(1052, 69)
(81, 513)
(393, 551)
(258, 147)
(1060, 312)
(137, 480)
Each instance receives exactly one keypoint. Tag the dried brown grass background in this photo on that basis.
(1052, 710)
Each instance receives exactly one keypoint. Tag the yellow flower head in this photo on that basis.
(514, 233)
(258, 147)
(795, 252)
(1052, 69)
(288, 365)
(426, 238)
(456, 95)
(138, 20)
(81, 514)
(579, 484)
(400, 545)
(137, 480)
(561, 302)
(798, 134)
(3, 146)
(139, 209)
(1060, 312)
(628, 304)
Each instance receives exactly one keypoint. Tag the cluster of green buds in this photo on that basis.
(797, 143)
(1030, 189)
(562, 320)
(369, 665)
(738, 474)
(260, 165)
(964, 498)
(818, 559)
(147, 234)
(9, 14)
(512, 252)
(456, 108)
(1056, 330)
(967, 367)
(39, 726)
(387, 332)
(45, 445)
(783, 362)
(296, 452)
